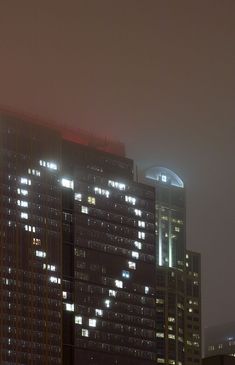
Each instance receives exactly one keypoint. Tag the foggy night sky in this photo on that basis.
(156, 74)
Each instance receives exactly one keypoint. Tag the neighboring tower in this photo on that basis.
(170, 217)
(220, 340)
(193, 308)
(172, 273)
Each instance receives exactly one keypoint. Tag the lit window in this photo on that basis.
(177, 229)
(138, 244)
(132, 265)
(159, 301)
(135, 254)
(138, 212)
(25, 181)
(52, 165)
(64, 294)
(66, 183)
(141, 224)
(85, 333)
(98, 312)
(146, 289)
(112, 293)
(102, 192)
(92, 322)
(91, 200)
(36, 241)
(172, 337)
(163, 178)
(30, 228)
(78, 319)
(69, 307)
(117, 185)
(78, 197)
(190, 310)
(22, 192)
(160, 335)
(41, 254)
(84, 209)
(22, 203)
(55, 280)
(107, 303)
(34, 172)
(125, 274)
(141, 235)
(130, 199)
(171, 319)
(119, 283)
(42, 163)
(24, 215)
(160, 360)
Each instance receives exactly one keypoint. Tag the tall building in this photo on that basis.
(77, 253)
(178, 312)
(94, 267)
(193, 346)
(220, 340)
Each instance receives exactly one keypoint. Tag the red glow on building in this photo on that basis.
(75, 135)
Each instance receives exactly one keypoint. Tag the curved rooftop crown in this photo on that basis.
(164, 175)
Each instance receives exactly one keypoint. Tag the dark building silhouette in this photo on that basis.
(93, 264)
(219, 360)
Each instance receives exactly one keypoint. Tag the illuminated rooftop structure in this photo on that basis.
(164, 175)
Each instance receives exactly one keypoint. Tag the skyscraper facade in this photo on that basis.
(178, 313)
(93, 264)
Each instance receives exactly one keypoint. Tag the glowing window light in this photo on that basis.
(98, 312)
(125, 274)
(25, 181)
(69, 307)
(130, 199)
(78, 197)
(92, 322)
(55, 280)
(146, 289)
(132, 265)
(41, 253)
(117, 185)
(24, 215)
(138, 244)
(84, 209)
(119, 284)
(78, 320)
(22, 203)
(112, 293)
(107, 303)
(66, 183)
(135, 254)
(103, 192)
(85, 333)
(138, 212)
(141, 235)
(22, 192)
(141, 224)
